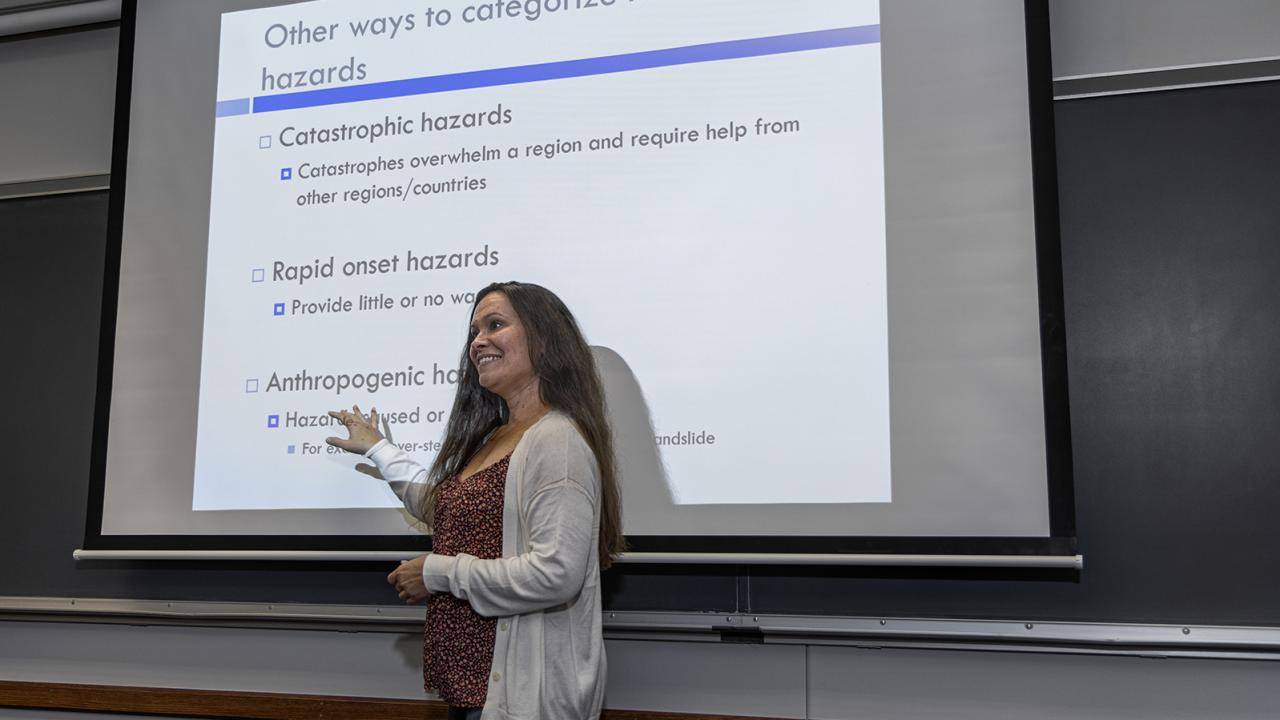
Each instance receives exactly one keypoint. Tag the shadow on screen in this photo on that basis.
(646, 487)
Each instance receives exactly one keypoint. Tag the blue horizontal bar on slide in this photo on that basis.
(709, 52)
(227, 108)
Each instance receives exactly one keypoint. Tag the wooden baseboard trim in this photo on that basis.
(229, 705)
(210, 703)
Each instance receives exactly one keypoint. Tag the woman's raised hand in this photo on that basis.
(363, 430)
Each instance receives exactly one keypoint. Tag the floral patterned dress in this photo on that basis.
(457, 648)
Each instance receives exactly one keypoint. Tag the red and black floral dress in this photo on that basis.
(457, 644)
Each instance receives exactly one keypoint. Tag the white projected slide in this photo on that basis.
(701, 182)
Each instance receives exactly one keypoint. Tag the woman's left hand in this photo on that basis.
(407, 578)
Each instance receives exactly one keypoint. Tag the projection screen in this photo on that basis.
(813, 246)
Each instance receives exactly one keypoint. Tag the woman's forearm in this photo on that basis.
(405, 475)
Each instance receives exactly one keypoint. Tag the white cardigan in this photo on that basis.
(548, 658)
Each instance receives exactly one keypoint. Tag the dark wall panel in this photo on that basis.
(1170, 210)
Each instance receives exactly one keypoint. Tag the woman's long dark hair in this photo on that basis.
(570, 383)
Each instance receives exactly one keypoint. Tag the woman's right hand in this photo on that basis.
(362, 429)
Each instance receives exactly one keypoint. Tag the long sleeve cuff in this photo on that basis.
(400, 472)
(377, 448)
(436, 571)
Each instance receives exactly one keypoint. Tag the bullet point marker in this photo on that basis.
(259, 274)
(286, 173)
(264, 142)
(277, 309)
(251, 385)
(291, 449)
(273, 421)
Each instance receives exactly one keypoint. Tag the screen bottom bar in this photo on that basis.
(1069, 562)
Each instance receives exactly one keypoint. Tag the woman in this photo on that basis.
(523, 501)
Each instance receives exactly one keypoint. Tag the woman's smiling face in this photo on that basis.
(499, 347)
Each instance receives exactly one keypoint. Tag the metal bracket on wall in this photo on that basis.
(54, 186)
(1143, 640)
(1172, 78)
(35, 17)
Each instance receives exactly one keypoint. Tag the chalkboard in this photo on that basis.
(1171, 250)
